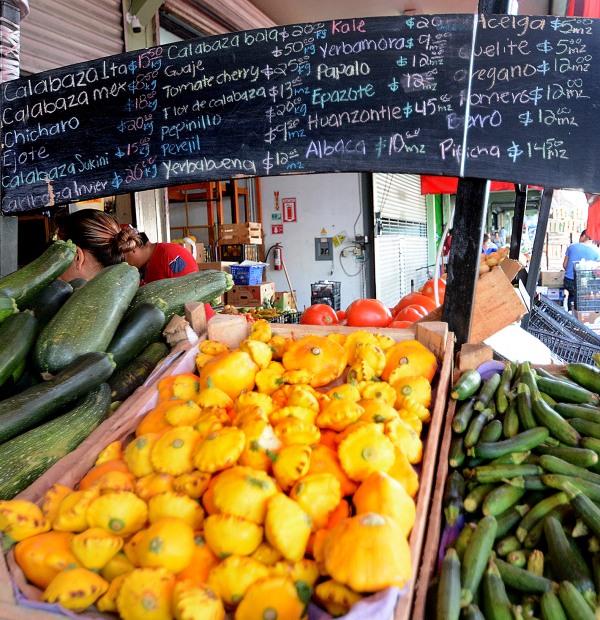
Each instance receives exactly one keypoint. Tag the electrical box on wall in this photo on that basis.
(324, 248)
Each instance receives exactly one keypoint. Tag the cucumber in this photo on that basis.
(17, 337)
(576, 456)
(202, 286)
(496, 605)
(476, 557)
(463, 416)
(88, 319)
(487, 392)
(138, 328)
(37, 404)
(524, 408)
(551, 607)
(527, 440)
(466, 385)
(565, 563)
(556, 424)
(566, 392)
(448, 596)
(26, 457)
(586, 375)
(574, 602)
(25, 283)
(521, 579)
(131, 376)
(48, 301)
(8, 306)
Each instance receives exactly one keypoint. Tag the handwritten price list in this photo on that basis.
(502, 97)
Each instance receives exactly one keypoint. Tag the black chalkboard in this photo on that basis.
(436, 94)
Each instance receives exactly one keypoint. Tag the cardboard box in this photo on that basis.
(552, 279)
(246, 232)
(251, 296)
(587, 316)
(219, 265)
(289, 300)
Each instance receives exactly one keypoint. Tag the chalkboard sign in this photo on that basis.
(503, 97)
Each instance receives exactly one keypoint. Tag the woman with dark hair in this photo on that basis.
(96, 235)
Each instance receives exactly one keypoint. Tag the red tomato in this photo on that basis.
(415, 298)
(368, 313)
(400, 324)
(341, 314)
(411, 313)
(429, 292)
(319, 314)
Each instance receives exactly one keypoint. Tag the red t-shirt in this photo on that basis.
(169, 260)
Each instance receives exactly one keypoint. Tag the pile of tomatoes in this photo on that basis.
(373, 313)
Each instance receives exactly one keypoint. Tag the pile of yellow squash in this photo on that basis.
(281, 472)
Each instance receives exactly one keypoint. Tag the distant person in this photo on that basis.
(503, 236)
(95, 233)
(496, 240)
(583, 250)
(488, 247)
(446, 247)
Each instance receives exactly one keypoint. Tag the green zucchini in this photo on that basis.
(472, 612)
(26, 457)
(17, 337)
(551, 607)
(476, 496)
(88, 319)
(503, 391)
(557, 481)
(131, 376)
(8, 306)
(565, 562)
(138, 328)
(496, 605)
(581, 457)
(456, 454)
(476, 427)
(556, 424)
(466, 385)
(586, 375)
(521, 579)
(476, 556)
(574, 602)
(454, 493)
(556, 465)
(535, 562)
(491, 432)
(566, 392)
(462, 540)
(25, 283)
(463, 416)
(501, 498)
(521, 442)
(448, 595)
(510, 424)
(499, 473)
(509, 518)
(48, 301)
(487, 392)
(506, 545)
(584, 507)
(584, 412)
(39, 403)
(539, 511)
(586, 428)
(202, 286)
(524, 408)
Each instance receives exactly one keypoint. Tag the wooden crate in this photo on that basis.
(231, 330)
(245, 233)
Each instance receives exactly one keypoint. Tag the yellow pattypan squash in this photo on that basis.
(146, 594)
(172, 452)
(338, 414)
(269, 380)
(297, 412)
(118, 513)
(72, 514)
(249, 401)
(227, 534)
(173, 504)
(409, 358)
(137, 454)
(353, 340)
(378, 390)
(415, 387)
(403, 436)
(266, 554)
(94, 547)
(202, 562)
(233, 576)
(382, 494)
(214, 397)
(287, 527)
(412, 405)
(20, 519)
(193, 484)
(76, 589)
(118, 565)
(108, 602)
(260, 352)
(279, 345)
(210, 421)
(324, 459)
(273, 597)
(167, 543)
(244, 492)
(377, 410)
(113, 451)
(213, 347)
(322, 357)
(346, 391)
(260, 331)
(52, 499)
(336, 598)
(219, 450)
(43, 556)
(368, 552)
(365, 450)
(152, 484)
(291, 431)
(192, 601)
(232, 372)
(403, 472)
(291, 463)
(305, 570)
(372, 354)
(317, 495)
(261, 446)
(183, 413)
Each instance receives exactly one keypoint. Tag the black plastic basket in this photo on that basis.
(286, 317)
(587, 289)
(565, 349)
(547, 316)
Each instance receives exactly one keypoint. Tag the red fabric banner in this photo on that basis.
(584, 8)
(447, 185)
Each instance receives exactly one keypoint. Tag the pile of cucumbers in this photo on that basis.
(523, 497)
(70, 352)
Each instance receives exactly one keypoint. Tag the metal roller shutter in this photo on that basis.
(57, 33)
(401, 242)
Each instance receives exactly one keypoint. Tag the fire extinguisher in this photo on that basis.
(277, 257)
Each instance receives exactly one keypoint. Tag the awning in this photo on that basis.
(447, 185)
